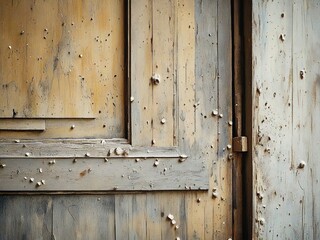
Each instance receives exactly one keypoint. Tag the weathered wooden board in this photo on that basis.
(25, 217)
(85, 217)
(201, 83)
(22, 124)
(63, 59)
(285, 119)
(92, 174)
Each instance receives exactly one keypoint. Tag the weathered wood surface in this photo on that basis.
(92, 174)
(64, 59)
(286, 110)
(202, 58)
(22, 124)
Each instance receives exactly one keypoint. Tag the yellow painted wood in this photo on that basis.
(63, 60)
(164, 64)
(203, 80)
(141, 72)
(22, 124)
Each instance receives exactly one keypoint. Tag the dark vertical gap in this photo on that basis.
(127, 70)
(242, 114)
(247, 117)
(237, 110)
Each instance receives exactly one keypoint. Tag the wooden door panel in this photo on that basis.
(174, 134)
(63, 61)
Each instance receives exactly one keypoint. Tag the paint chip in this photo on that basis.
(170, 216)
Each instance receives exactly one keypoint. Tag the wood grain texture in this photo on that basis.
(25, 218)
(85, 217)
(286, 106)
(203, 77)
(94, 174)
(141, 72)
(22, 124)
(164, 64)
(63, 60)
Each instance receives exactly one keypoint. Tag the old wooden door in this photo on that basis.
(115, 119)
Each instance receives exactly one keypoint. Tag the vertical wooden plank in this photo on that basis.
(185, 73)
(141, 72)
(174, 204)
(223, 177)
(123, 205)
(195, 214)
(306, 111)
(163, 44)
(139, 217)
(153, 216)
(83, 217)
(25, 217)
(276, 197)
(201, 214)
(130, 216)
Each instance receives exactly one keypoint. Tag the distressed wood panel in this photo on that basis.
(64, 59)
(286, 108)
(83, 217)
(92, 174)
(141, 72)
(25, 218)
(200, 86)
(22, 124)
(164, 64)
